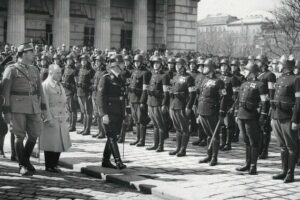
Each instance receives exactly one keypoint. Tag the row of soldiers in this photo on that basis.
(218, 102)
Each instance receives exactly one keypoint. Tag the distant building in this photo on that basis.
(217, 23)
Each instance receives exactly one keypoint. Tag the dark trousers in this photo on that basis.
(251, 131)
(51, 159)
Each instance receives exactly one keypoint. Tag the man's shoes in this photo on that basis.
(52, 170)
(108, 164)
(72, 129)
(30, 167)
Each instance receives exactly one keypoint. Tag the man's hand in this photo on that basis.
(7, 118)
(50, 123)
(164, 109)
(105, 119)
(295, 126)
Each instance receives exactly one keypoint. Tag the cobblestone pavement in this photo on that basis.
(184, 178)
(68, 185)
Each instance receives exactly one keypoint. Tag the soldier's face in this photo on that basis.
(246, 73)
(69, 62)
(170, 66)
(200, 69)
(178, 67)
(127, 63)
(56, 74)
(43, 62)
(29, 56)
(192, 66)
(137, 64)
(156, 66)
(83, 62)
(56, 61)
(234, 68)
(206, 70)
(97, 63)
(259, 63)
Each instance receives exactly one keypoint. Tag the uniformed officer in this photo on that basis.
(138, 87)
(182, 94)
(231, 85)
(212, 106)
(158, 102)
(252, 93)
(268, 78)
(24, 101)
(84, 92)
(286, 117)
(111, 105)
(100, 68)
(44, 68)
(69, 83)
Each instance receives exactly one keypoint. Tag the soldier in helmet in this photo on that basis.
(252, 93)
(57, 59)
(138, 87)
(84, 92)
(231, 85)
(268, 78)
(44, 67)
(212, 105)
(111, 105)
(182, 94)
(69, 83)
(158, 102)
(171, 67)
(286, 117)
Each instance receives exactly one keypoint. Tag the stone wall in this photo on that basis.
(181, 25)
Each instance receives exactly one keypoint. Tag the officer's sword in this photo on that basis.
(214, 133)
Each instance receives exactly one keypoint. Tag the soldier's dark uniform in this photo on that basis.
(69, 84)
(285, 111)
(140, 79)
(44, 68)
(110, 102)
(100, 69)
(212, 105)
(231, 85)
(158, 96)
(252, 93)
(84, 93)
(182, 85)
(24, 101)
(268, 79)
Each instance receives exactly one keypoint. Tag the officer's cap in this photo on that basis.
(44, 57)
(171, 60)
(157, 59)
(224, 61)
(56, 57)
(193, 61)
(182, 61)
(25, 47)
(69, 57)
(84, 57)
(116, 58)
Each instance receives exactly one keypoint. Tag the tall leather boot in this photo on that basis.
(161, 139)
(73, 119)
(29, 146)
(116, 153)
(106, 156)
(143, 130)
(13, 156)
(121, 138)
(223, 132)
(178, 144)
(88, 126)
(291, 167)
(236, 133)
(198, 141)
(209, 153)
(284, 165)
(215, 151)
(265, 148)
(138, 135)
(254, 156)
(184, 143)
(156, 140)
(229, 134)
(84, 121)
(19, 146)
(247, 164)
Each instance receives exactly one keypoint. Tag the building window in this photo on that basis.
(126, 39)
(49, 34)
(89, 34)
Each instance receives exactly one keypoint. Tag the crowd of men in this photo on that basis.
(216, 98)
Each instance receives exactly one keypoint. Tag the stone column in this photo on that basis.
(139, 32)
(61, 24)
(16, 22)
(102, 25)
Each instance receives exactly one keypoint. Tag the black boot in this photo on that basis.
(209, 153)
(161, 139)
(223, 132)
(156, 140)
(106, 157)
(229, 134)
(291, 164)
(29, 146)
(254, 156)
(88, 126)
(13, 156)
(178, 144)
(247, 164)
(266, 142)
(284, 166)
(121, 138)
(19, 147)
(142, 136)
(137, 135)
(184, 143)
(203, 143)
(73, 120)
(115, 151)
(84, 121)
(215, 151)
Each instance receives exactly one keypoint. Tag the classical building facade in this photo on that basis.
(135, 24)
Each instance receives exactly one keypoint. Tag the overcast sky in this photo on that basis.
(239, 8)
